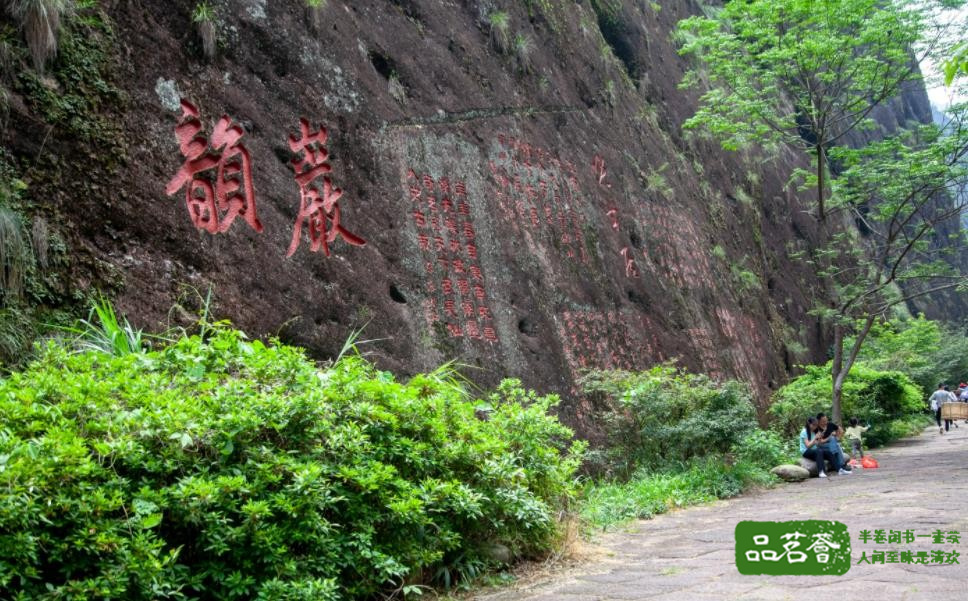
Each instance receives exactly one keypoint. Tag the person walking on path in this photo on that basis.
(952, 398)
(937, 399)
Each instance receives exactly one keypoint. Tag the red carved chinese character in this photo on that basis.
(439, 243)
(444, 263)
(447, 286)
(450, 308)
(598, 166)
(432, 204)
(534, 217)
(468, 307)
(463, 209)
(484, 312)
(419, 219)
(320, 208)
(451, 224)
(445, 185)
(631, 271)
(430, 311)
(428, 183)
(479, 292)
(454, 330)
(469, 231)
(464, 287)
(613, 213)
(472, 251)
(415, 193)
(458, 266)
(460, 189)
(476, 273)
(454, 245)
(424, 241)
(233, 194)
(472, 330)
(447, 204)
(489, 334)
(429, 267)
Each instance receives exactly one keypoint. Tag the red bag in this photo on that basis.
(868, 462)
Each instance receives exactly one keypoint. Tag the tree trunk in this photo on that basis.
(837, 373)
(821, 164)
(840, 368)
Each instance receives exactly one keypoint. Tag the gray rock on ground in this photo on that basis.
(791, 473)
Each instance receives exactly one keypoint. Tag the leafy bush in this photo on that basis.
(924, 350)
(765, 449)
(871, 396)
(220, 468)
(664, 416)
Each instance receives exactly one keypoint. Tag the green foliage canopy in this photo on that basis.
(805, 72)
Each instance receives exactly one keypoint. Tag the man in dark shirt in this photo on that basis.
(831, 433)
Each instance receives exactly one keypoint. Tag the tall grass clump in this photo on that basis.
(523, 52)
(203, 16)
(500, 24)
(15, 256)
(223, 468)
(41, 23)
(106, 332)
(315, 8)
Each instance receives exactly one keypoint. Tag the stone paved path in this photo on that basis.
(688, 555)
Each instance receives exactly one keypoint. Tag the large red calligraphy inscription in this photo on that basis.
(213, 207)
(455, 286)
(318, 200)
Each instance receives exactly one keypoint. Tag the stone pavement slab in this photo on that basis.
(689, 555)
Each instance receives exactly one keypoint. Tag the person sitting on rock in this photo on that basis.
(832, 433)
(811, 440)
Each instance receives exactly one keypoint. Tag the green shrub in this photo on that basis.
(765, 449)
(220, 468)
(664, 416)
(871, 396)
(926, 351)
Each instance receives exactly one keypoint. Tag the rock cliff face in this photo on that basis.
(528, 201)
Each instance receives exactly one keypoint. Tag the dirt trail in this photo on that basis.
(922, 485)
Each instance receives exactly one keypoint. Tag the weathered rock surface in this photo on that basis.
(530, 213)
